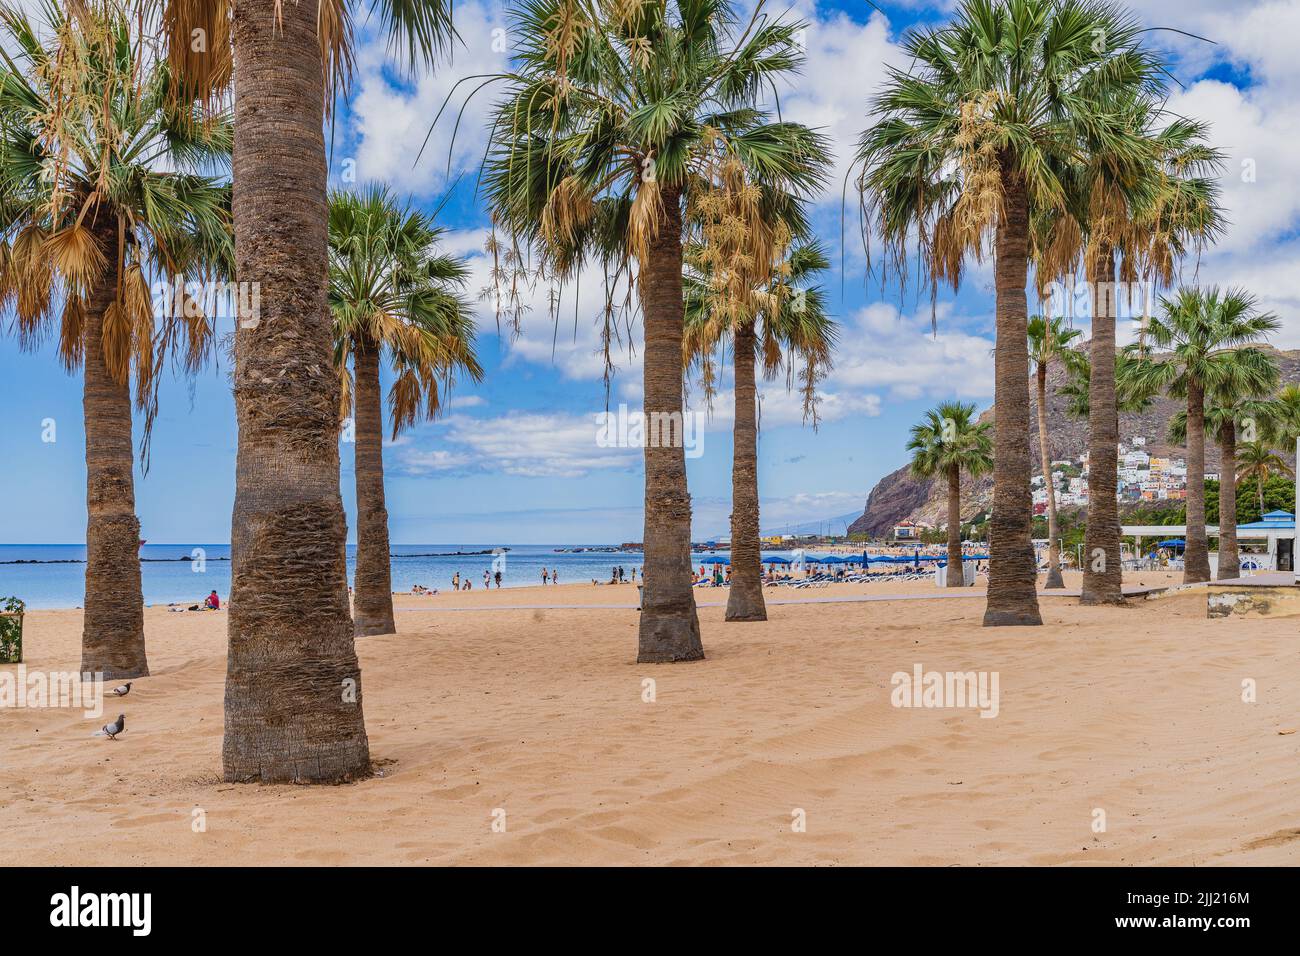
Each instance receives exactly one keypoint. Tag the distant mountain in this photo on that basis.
(828, 526)
(898, 495)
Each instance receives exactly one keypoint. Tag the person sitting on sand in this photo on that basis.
(212, 602)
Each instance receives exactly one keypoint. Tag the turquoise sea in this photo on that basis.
(187, 572)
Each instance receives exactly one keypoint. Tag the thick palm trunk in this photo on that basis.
(1229, 553)
(1196, 555)
(293, 686)
(745, 600)
(670, 627)
(1054, 579)
(372, 601)
(956, 575)
(1102, 568)
(112, 634)
(1012, 596)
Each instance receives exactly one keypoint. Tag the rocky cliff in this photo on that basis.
(898, 495)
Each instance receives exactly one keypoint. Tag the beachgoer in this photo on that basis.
(555, 575)
(487, 579)
(498, 580)
(213, 603)
(545, 574)
(455, 582)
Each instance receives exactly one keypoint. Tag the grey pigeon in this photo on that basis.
(123, 690)
(112, 730)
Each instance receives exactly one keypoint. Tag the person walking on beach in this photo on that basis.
(455, 582)
(555, 575)
(487, 579)
(498, 579)
(544, 576)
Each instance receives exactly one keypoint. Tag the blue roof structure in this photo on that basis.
(1273, 521)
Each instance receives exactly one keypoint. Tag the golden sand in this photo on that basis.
(1135, 711)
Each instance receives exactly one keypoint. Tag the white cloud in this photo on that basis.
(519, 443)
(392, 121)
(883, 349)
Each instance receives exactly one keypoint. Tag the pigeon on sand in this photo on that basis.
(112, 730)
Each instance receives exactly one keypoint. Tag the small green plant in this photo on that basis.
(11, 630)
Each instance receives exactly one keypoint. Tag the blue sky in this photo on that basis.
(515, 459)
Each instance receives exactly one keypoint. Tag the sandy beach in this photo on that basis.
(1135, 711)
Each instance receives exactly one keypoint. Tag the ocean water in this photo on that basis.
(174, 573)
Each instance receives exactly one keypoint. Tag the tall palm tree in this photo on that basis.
(1237, 407)
(969, 143)
(616, 120)
(103, 193)
(1257, 462)
(1049, 341)
(783, 324)
(390, 291)
(1143, 205)
(948, 441)
(1202, 340)
(294, 703)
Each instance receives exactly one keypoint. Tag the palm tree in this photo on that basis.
(1282, 427)
(616, 117)
(783, 324)
(948, 441)
(1236, 408)
(1257, 462)
(390, 291)
(102, 192)
(293, 705)
(1142, 205)
(969, 143)
(1049, 341)
(1202, 341)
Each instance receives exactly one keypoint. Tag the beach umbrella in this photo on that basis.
(1172, 543)
(776, 560)
(715, 560)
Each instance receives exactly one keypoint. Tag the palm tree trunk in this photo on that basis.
(745, 600)
(1229, 553)
(293, 704)
(1054, 579)
(1196, 555)
(1103, 571)
(112, 634)
(956, 575)
(1012, 594)
(372, 601)
(670, 627)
